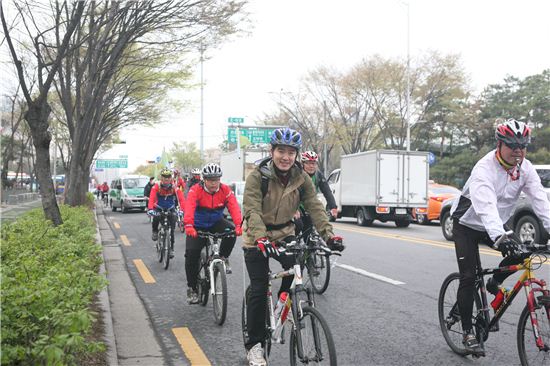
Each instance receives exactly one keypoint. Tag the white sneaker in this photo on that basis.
(255, 356)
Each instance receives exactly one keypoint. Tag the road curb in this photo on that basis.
(109, 335)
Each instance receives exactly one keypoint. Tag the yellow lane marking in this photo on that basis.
(143, 271)
(125, 240)
(412, 239)
(190, 346)
(117, 226)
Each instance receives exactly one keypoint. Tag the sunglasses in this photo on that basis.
(514, 146)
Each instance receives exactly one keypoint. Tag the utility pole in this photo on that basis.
(408, 99)
(202, 103)
(325, 153)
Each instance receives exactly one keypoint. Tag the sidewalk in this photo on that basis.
(130, 337)
(10, 212)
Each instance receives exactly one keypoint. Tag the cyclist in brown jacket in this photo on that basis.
(272, 195)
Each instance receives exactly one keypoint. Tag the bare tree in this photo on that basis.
(124, 59)
(38, 111)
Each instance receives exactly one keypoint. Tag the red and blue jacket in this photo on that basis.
(204, 209)
(165, 198)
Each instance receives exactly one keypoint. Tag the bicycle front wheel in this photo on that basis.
(449, 316)
(160, 249)
(203, 282)
(533, 351)
(318, 269)
(317, 343)
(219, 300)
(166, 248)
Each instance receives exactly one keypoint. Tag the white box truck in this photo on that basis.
(384, 185)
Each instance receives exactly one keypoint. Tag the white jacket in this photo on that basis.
(490, 196)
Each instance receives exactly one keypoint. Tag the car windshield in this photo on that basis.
(130, 183)
(544, 177)
(444, 190)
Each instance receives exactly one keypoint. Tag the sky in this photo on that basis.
(244, 77)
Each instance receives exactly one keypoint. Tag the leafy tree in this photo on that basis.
(186, 156)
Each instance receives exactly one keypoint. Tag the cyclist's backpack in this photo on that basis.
(264, 172)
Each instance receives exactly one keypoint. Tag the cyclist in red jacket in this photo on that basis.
(165, 195)
(204, 208)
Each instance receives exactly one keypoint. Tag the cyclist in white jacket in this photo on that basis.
(487, 202)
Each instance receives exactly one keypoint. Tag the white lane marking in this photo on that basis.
(369, 274)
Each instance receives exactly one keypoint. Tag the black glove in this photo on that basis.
(509, 248)
(336, 243)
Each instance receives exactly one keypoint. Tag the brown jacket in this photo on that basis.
(279, 205)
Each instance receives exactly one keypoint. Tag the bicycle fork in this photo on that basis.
(211, 273)
(532, 306)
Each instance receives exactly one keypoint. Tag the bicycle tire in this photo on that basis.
(160, 251)
(529, 353)
(166, 249)
(203, 282)
(219, 299)
(244, 329)
(318, 269)
(315, 345)
(449, 317)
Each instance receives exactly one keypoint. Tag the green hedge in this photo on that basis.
(49, 278)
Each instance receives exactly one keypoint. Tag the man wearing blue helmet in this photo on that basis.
(272, 194)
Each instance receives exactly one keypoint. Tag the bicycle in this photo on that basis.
(316, 259)
(310, 337)
(105, 199)
(537, 309)
(212, 270)
(164, 243)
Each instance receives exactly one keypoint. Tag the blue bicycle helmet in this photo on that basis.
(286, 136)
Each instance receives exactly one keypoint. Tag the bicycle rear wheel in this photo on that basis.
(317, 342)
(318, 269)
(166, 248)
(203, 283)
(449, 316)
(528, 347)
(219, 300)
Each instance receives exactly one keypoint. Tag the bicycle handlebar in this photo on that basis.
(207, 234)
(506, 235)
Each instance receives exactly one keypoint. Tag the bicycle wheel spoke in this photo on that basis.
(317, 343)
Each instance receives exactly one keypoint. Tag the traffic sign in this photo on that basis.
(235, 120)
(431, 158)
(111, 163)
(254, 134)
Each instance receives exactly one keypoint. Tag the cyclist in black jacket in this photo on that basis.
(310, 163)
(148, 186)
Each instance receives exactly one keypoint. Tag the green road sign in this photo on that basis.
(111, 163)
(235, 120)
(253, 134)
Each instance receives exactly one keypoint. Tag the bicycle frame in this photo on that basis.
(277, 324)
(526, 280)
(213, 258)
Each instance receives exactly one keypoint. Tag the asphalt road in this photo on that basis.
(374, 321)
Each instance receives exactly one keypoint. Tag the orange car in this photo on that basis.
(437, 193)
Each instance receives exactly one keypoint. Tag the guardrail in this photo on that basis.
(13, 199)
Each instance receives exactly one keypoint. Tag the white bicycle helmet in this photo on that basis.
(196, 171)
(211, 170)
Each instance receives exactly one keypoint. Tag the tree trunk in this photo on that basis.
(37, 118)
(77, 184)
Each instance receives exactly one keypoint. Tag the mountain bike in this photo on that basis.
(533, 334)
(316, 259)
(212, 277)
(311, 340)
(164, 241)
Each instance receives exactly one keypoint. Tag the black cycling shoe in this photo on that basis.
(472, 345)
(155, 236)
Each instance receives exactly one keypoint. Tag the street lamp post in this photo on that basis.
(408, 95)
(202, 104)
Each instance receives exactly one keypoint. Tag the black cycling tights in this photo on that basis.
(466, 247)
